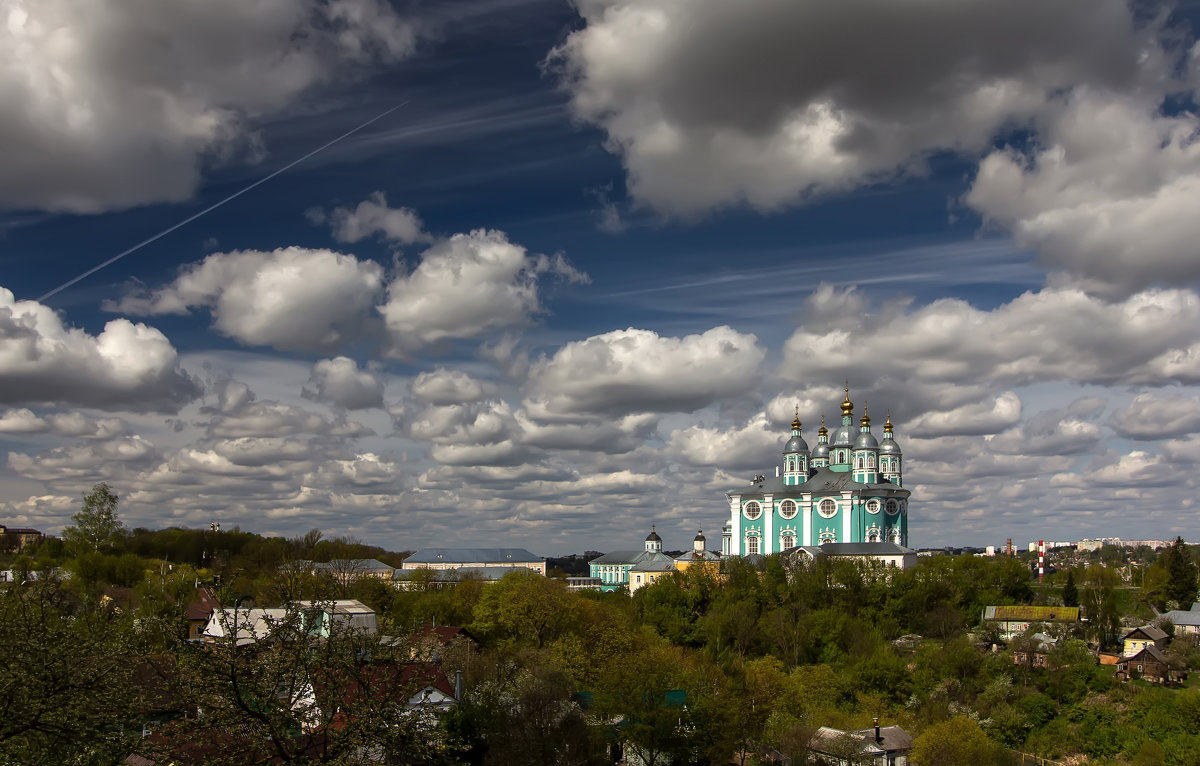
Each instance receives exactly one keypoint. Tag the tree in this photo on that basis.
(1181, 572)
(1070, 592)
(96, 527)
(956, 742)
(66, 677)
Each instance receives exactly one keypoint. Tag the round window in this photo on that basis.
(752, 509)
(872, 506)
(787, 509)
(892, 507)
(827, 508)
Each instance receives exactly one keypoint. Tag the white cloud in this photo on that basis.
(1107, 195)
(747, 446)
(987, 417)
(1066, 431)
(1052, 334)
(95, 461)
(24, 421)
(127, 365)
(339, 381)
(373, 216)
(466, 286)
(111, 105)
(442, 387)
(635, 370)
(768, 102)
(1152, 417)
(291, 298)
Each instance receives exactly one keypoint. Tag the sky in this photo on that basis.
(577, 264)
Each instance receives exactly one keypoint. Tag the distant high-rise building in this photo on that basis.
(849, 488)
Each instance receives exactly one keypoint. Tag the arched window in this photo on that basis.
(751, 546)
(860, 461)
(827, 507)
(787, 540)
(827, 537)
(873, 536)
(787, 509)
(752, 510)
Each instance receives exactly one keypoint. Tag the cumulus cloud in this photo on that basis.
(1106, 195)
(127, 365)
(975, 419)
(1057, 333)
(87, 462)
(442, 387)
(113, 105)
(747, 446)
(465, 286)
(635, 370)
(768, 102)
(370, 217)
(292, 298)
(1066, 431)
(24, 421)
(1153, 416)
(338, 381)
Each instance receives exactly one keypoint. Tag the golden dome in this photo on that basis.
(847, 405)
(887, 425)
(823, 431)
(796, 421)
(865, 420)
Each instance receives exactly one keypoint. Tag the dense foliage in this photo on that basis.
(701, 667)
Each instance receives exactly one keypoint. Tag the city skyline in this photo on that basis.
(578, 266)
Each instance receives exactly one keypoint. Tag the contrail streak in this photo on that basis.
(216, 205)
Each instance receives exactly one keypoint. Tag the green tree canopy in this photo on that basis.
(1070, 591)
(96, 526)
(956, 742)
(1181, 573)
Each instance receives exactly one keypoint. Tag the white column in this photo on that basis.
(768, 525)
(848, 502)
(806, 510)
(735, 525)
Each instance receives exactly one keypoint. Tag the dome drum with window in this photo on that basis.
(847, 488)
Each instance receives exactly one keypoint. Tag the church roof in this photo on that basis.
(699, 556)
(625, 557)
(822, 480)
(655, 562)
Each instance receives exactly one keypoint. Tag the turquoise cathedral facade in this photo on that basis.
(849, 488)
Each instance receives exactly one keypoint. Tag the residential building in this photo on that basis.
(16, 539)
(254, 625)
(888, 554)
(878, 746)
(1186, 621)
(1015, 620)
(1152, 665)
(477, 558)
(199, 611)
(614, 569)
(1139, 638)
(346, 571)
(848, 488)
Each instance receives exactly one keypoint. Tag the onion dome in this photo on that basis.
(699, 538)
(889, 445)
(653, 536)
(865, 440)
(796, 444)
(843, 437)
(822, 448)
(847, 405)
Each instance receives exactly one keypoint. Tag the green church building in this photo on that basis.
(846, 489)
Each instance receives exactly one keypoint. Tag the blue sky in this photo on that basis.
(579, 280)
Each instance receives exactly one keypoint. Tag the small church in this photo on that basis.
(849, 488)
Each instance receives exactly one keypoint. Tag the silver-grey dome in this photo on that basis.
(821, 450)
(843, 437)
(866, 440)
(796, 444)
(889, 447)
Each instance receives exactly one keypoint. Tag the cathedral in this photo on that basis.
(846, 489)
